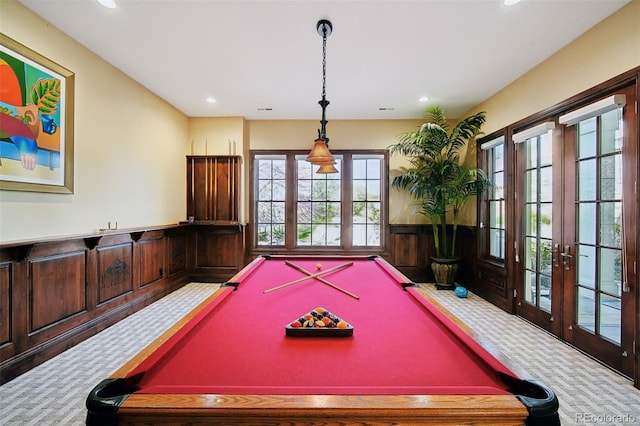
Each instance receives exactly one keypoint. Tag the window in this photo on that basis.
(270, 200)
(295, 208)
(366, 200)
(494, 207)
(318, 205)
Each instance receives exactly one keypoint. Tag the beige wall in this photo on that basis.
(609, 49)
(129, 156)
(126, 166)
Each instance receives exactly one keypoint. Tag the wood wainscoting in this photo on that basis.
(55, 293)
(412, 248)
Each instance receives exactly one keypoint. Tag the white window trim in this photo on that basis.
(534, 131)
(592, 110)
(492, 143)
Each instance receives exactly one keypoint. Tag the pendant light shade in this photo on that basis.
(320, 153)
(326, 168)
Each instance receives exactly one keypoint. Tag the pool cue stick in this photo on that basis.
(322, 280)
(335, 268)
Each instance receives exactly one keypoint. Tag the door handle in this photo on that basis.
(566, 257)
(554, 254)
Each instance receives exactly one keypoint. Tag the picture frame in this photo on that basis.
(36, 121)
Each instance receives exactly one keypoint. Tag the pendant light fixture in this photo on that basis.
(320, 154)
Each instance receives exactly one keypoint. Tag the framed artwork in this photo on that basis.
(36, 121)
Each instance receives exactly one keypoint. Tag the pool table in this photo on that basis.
(404, 361)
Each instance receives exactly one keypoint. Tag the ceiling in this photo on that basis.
(262, 59)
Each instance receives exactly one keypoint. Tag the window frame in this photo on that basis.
(346, 246)
(484, 202)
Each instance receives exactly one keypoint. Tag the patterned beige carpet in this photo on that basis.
(590, 394)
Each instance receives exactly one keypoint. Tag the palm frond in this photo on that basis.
(435, 178)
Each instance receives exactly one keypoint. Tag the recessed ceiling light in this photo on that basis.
(511, 2)
(386, 109)
(423, 99)
(111, 4)
(211, 100)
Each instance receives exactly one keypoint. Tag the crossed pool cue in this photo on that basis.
(316, 276)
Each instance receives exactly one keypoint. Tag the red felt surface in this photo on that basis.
(400, 344)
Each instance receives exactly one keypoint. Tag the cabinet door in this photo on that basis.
(212, 187)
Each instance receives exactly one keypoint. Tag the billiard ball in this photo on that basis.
(319, 266)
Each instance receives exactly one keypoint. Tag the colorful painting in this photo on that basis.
(36, 121)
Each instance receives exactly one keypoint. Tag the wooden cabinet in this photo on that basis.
(213, 197)
(213, 187)
(218, 251)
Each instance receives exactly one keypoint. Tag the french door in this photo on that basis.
(576, 271)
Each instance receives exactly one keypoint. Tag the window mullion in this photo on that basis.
(347, 201)
(290, 203)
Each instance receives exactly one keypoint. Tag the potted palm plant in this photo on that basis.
(439, 183)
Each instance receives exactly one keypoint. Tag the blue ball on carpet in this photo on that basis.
(461, 292)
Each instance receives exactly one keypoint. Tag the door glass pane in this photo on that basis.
(531, 153)
(611, 177)
(586, 265)
(611, 133)
(587, 138)
(545, 150)
(546, 184)
(610, 318)
(545, 292)
(611, 271)
(545, 256)
(531, 219)
(586, 222)
(530, 253)
(530, 286)
(587, 181)
(498, 185)
(611, 224)
(585, 310)
(531, 188)
(497, 243)
(545, 220)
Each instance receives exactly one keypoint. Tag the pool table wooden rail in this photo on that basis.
(323, 409)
